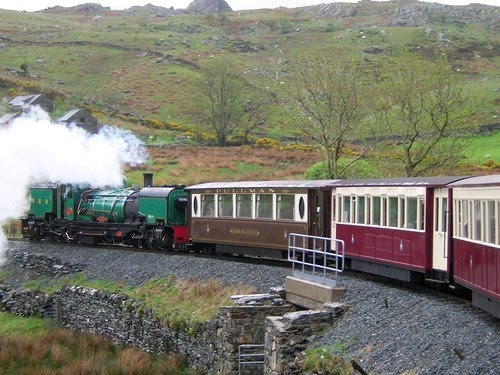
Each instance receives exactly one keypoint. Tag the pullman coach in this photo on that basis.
(256, 217)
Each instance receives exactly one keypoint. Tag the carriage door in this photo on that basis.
(319, 214)
(440, 240)
(333, 215)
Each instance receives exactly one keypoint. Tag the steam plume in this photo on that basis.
(32, 149)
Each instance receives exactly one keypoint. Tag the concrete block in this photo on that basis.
(310, 294)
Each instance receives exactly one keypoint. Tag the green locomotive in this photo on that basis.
(151, 217)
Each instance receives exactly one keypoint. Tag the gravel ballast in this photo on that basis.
(389, 328)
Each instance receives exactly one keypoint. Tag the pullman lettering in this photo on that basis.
(246, 190)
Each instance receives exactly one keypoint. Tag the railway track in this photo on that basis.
(198, 254)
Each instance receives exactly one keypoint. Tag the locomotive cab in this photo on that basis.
(165, 207)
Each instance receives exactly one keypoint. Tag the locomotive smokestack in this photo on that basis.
(148, 179)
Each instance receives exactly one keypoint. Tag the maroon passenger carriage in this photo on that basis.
(476, 239)
(395, 227)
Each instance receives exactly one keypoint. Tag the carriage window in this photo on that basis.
(411, 213)
(360, 215)
(368, 210)
(334, 209)
(195, 205)
(477, 220)
(264, 206)
(421, 205)
(466, 219)
(444, 215)
(208, 205)
(457, 212)
(383, 212)
(302, 207)
(492, 223)
(285, 207)
(393, 211)
(244, 205)
(401, 212)
(376, 210)
(346, 210)
(225, 205)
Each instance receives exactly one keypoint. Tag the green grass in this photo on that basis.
(51, 285)
(183, 302)
(3, 275)
(484, 148)
(13, 326)
(176, 302)
(327, 360)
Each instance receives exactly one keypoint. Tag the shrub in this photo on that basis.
(491, 164)
(267, 143)
(12, 228)
(361, 168)
(326, 360)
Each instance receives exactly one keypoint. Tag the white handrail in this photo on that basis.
(316, 258)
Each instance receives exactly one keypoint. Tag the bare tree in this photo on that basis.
(254, 116)
(222, 87)
(324, 98)
(427, 109)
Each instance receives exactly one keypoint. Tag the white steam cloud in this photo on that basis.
(32, 149)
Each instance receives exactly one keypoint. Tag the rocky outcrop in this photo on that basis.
(411, 13)
(89, 8)
(394, 13)
(209, 6)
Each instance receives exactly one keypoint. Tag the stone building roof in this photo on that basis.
(8, 117)
(82, 118)
(25, 101)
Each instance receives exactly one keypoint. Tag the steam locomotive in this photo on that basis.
(151, 217)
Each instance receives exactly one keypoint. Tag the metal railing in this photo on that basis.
(250, 355)
(314, 258)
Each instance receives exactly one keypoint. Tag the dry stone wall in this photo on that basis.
(208, 347)
(265, 320)
(289, 335)
(244, 324)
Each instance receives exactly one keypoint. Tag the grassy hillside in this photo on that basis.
(146, 62)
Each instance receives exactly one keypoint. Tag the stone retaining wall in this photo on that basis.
(208, 347)
(289, 335)
(244, 325)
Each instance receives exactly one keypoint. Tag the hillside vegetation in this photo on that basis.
(141, 68)
(32, 346)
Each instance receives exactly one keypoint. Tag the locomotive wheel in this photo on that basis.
(51, 237)
(168, 243)
(35, 236)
